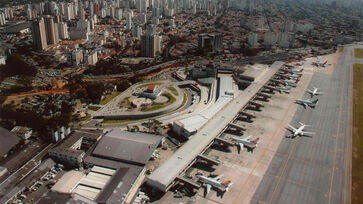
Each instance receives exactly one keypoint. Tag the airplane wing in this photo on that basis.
(319, 93)
(247, 138)
(290, 126)
(309, 91)
(208, 187)
(308, 133)
(218, 177)
(241, 145)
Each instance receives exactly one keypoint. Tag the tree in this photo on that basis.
(15, 65)
(123, 84)
(95, 91)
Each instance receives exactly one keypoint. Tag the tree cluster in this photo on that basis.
(106, 67)
(15, 65)
(11, 115)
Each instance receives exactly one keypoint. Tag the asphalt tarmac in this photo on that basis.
(316, 169)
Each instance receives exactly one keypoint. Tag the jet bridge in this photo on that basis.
(223, 141)
(208, 159)
(238, 127)
(188, 182)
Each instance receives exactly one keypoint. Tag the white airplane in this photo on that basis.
(284, 89)
(294, 76)
(296, 71)
(306, 103)
(300, 130)
(246, 141)
(290, 82)
(314, 92)
(208, 182)
(319, 64)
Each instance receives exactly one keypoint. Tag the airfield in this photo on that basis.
(292, 170)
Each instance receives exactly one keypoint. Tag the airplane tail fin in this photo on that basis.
(227, 184)
(256, 141)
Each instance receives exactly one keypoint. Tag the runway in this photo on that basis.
(317, 169)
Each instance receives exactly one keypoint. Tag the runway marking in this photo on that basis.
(305, 166)
(285, 165)
(349, 133)
(336, 144)
(263, 153)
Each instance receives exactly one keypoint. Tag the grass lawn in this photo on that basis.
(154, 107)
(170, 97)
(173, 90)
(108, 98)
(358, 52)
(118, 121)
(157, 106)
(357, 140)
(341, 49)
(94, 108)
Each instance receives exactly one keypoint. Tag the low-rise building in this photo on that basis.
(69, 151)
(8, 141)
(22, 132)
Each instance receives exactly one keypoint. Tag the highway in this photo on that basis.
(317, 169)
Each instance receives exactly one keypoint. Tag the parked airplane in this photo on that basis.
(300, 130)
(246, 141)
(290, 82)
(284, 89)
(319, 64)
(305, 103)
(314, 92)
(296, 71)
(208, 182)
(295, 76)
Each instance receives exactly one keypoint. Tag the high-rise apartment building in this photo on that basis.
(39, 36)
(63, 30)
(150, 45)
(50, 30)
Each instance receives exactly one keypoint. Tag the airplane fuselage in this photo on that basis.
(299, 130)
(245, 142)
(212, 182)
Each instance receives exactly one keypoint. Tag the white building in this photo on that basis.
(29, 14)
(91, 58)
(75, 57)
(69, 12)
(128, 20)
(22, 132)
(142, 18)
(63, 30)
(137, 32)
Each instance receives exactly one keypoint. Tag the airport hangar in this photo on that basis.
(164, 177)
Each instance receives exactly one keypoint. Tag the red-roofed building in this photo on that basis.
(150, 88)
